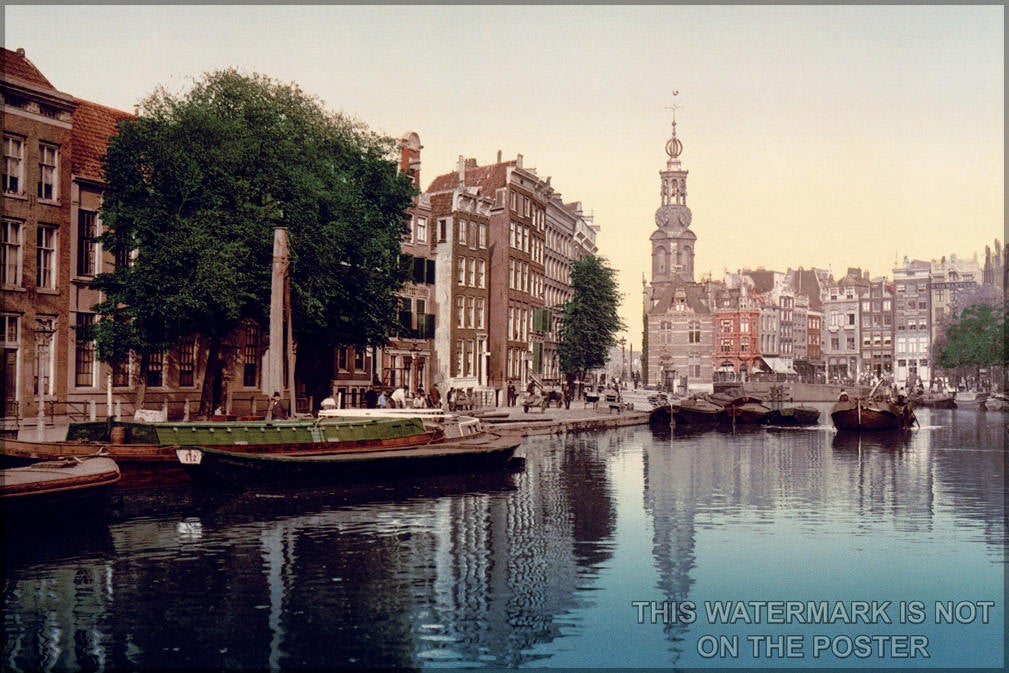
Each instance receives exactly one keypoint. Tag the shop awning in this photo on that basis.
(778, 365)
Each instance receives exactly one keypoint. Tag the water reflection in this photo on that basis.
(502, 569)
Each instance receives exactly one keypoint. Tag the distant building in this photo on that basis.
(876, 311)
(912, 343)
(841, 329)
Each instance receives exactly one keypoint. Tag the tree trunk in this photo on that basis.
(211, 378)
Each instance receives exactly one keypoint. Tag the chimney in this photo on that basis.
(518, 160)
(461, 169)
(499, 156)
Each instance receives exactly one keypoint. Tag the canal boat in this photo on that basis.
(742, 408)
(970, 399)
(146, 451)
(934, 400)
(996, 402)
(697, 411)
(872, 414)
(794, 416)
(67, 481)
(245, 469)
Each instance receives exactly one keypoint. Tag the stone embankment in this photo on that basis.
(552, 421)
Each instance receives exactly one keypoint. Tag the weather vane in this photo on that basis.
(674, 107)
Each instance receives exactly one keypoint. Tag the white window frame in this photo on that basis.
(12, 256)
(14, 164)
(46, 256)
(420, 230)
(49, 171)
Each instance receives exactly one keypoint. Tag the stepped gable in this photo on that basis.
(16, 65)
(93, 126)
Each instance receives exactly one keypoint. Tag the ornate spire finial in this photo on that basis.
(673, 146)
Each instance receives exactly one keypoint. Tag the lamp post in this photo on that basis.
(44, 331)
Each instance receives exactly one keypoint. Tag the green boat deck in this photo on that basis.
(210, 433)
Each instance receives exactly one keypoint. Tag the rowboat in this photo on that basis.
(65, 481)
(742, 409)
(244, 469)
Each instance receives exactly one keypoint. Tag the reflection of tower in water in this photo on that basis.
(670, 500)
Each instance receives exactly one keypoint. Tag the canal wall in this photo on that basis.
(804, 392)
(559, 421)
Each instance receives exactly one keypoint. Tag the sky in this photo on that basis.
(814, 136)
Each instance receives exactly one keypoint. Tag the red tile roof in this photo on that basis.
(93, 127)
(16, 65)
(488, 178)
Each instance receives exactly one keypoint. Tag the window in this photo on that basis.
(359, 362)
(462, 232)
(460, 312)
(11, 253)
(481, 268)
(694, 332)
(483, 235)
(154, 365)
(45, 276)
(470, 272)
(84, 354)
(121, 373)
(250, 356)
(187, 358)
(744, 345)
(480, 309)
(48, 173)
(13, 175)
(87, 244)
(461, 268)
(726, 345)
(420, 231)
(469, 312)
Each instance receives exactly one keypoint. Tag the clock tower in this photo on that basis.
(673, 241)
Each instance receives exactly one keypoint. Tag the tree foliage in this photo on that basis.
(975, 337)
(196, 184)
(589, 322)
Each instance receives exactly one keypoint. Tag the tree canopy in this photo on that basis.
(976, 337)
(196, 184)
(589, 322)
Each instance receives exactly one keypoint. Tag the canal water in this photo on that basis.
(627, 548)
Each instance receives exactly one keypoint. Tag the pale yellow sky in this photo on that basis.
(827, 136)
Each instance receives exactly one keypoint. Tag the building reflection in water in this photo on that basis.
(477, 570)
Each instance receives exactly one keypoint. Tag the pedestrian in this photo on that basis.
(511, 394)
(382, 401)
(435, 397)
(370, 398)
(276, 409)
(568, 395)
(450, 399)
(399, 397)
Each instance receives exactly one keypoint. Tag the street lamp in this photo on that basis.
(44, 331)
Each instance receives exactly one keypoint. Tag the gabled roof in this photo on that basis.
(696, 296)
(16, 65)
(763, 281)
(93, 126)
(489, 178)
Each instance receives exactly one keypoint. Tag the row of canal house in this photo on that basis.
(490, 248)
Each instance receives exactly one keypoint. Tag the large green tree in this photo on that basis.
(589, 322)
(975, 337)
(196, 184)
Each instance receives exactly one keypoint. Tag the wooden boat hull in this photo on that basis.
(794, 416)
(936, 401)
(66, 481)
(871, 415)
(141, 465)
(697, 412)
(212, 465)
(746, 412)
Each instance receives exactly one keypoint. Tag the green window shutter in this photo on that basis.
(537, 357)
